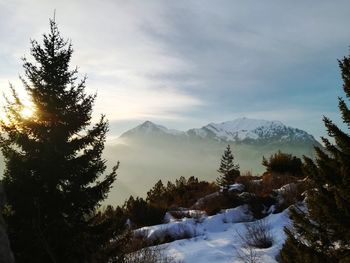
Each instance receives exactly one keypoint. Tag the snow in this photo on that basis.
(245, 124)
(217, 238)
(236, 187)
(286, 188)
(199, 132)
(251, 129)
(149, 127)
(170, 131)
(242, 128)
(198, 225)
(237, 130)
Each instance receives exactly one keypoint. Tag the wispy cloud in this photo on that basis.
(191, 62)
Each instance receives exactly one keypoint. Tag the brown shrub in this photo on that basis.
(258, 234)
(251, 183)
(272, 181)
(221, 201)
(183, 193)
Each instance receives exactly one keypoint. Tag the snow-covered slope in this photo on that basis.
(250, 130)
(218, 238)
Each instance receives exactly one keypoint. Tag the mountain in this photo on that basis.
(242, 130)
(150, 152)
(252, 131)
(151, 129)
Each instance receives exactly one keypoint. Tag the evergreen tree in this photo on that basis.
(54, 170)
(155, 195)
(322, 234)
(228, 170)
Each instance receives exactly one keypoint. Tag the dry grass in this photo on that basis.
(258, 234)
(149, 255)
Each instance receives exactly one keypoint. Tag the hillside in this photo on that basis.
(243, 224)
(218, 238)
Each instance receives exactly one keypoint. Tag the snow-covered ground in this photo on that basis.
(217, 238)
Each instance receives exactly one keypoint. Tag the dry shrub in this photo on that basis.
(258, 234)
(272, 181)
(246, 177)
(183, 193)
(170, 237)
(141, 239)
(149, 255)
(141, 250)
(264, 185)
(247, 255)
(258, 205)
(251, 183)
(221, 201)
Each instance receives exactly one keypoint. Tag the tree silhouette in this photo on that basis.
(54, 173)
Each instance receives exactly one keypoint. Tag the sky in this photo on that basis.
(184, 64)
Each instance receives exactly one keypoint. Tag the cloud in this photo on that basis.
(122, 62)
(193, 61)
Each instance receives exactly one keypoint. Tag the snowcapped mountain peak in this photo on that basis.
(249, 130)
(150, 128)
(148, 125)
(244, 124)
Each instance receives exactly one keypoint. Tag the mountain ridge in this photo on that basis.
(238, 130)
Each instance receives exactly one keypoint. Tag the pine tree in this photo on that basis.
(156, 193)
(322, 234)
(228, 170)
(54, 170)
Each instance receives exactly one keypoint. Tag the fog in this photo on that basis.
(143, 161)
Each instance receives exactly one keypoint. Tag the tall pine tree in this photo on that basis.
(322, 232)
(54, 170)
(228, 170)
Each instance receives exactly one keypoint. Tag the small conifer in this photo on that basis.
(228, 170)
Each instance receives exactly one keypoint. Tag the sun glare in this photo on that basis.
(27, 109)
(27, 112)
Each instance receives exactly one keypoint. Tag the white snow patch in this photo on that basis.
(217, 238)
(197, 226)
(236, 187)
